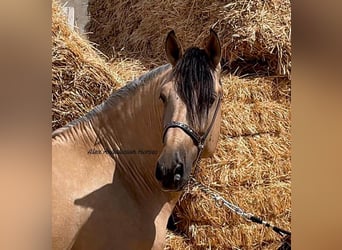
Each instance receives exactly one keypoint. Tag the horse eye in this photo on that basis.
(163, 98)
(212, 100)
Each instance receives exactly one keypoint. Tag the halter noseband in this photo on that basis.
(198, 140)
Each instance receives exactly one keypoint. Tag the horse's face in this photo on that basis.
(191, 98)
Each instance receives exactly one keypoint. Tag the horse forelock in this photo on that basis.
(194, 82)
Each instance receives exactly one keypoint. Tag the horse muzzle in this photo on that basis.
(172, 176)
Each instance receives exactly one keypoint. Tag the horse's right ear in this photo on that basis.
(173, 48)
(213, 48)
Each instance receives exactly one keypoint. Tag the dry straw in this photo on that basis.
(251, 166)
(80, 77)
(255, 35)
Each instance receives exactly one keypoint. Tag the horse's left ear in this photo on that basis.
(213, 48)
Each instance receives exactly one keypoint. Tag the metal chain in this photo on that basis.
(219, 198)
(236, 209)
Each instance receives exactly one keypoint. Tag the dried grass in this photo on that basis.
(255, 35)
(80, 77)
(252, 163)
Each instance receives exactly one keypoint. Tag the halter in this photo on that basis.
(198, 140)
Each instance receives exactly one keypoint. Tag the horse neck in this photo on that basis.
(129, 125)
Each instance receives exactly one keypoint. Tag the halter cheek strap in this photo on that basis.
(198, 140)
(186, 128)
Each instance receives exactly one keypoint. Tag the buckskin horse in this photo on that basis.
(118, 172)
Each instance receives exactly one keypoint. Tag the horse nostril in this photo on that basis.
(179, 168)
(159, 171)
(178, 173)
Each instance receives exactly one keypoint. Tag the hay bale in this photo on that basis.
(251, 166)
(128, 69)
(255, 35)
(80, 77)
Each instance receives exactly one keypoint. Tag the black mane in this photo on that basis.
(194, 83)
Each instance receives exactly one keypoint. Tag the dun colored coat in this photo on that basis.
(118, 171)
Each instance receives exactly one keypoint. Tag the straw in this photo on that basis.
(252, 162)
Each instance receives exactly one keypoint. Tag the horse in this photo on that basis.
(118, 171)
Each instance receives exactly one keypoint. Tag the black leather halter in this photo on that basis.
(198, 140)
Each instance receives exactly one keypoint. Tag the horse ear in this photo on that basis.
(213, 48)
(173, 48)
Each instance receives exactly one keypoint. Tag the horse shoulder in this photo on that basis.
(75, 174)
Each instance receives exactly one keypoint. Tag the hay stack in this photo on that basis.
(80, 77)
(255, 35)
(251, 166)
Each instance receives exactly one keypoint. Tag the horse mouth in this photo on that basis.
(178, 189)
(172, 186)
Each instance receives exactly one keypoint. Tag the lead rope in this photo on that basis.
(247, 216)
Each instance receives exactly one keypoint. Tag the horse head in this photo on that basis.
(191, 97)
